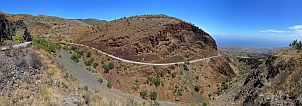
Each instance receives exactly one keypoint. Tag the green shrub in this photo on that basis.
(80, 52)
(223, 87)
(155, 81)
(88, 62)
(153, 95)
(136, 85)
(204, 104)
(50, 47)
(75, 57)
(108, 66)
(143, 94)
(19, 39)
(109, 84)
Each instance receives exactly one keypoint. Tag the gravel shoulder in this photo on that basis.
(116, 97)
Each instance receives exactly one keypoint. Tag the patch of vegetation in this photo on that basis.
(144, 94)
(89, 62)
(76, 57)
(296, 45)
(155, 81)
(153, 95)
(223, 87)
(109, 84)
(108, 66)
(74, 48)
(204, 104)
(136, 85)
(101, 80)
(197, 88)
(19, 39)
(50, 47)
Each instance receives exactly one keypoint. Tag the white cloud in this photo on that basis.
(272, 31)
(292, 30)
(296, 29)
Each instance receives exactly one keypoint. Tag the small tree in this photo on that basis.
(296, 45)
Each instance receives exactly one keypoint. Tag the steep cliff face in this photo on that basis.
(9, 28)
(278, 81)
(151, 38)
(275, 81)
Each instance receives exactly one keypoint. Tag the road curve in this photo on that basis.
(118, 58)
(140, 63)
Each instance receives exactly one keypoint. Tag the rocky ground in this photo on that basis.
(30, 77)
(273, 81)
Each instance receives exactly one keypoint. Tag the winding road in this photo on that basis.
(87, 78)
(139, 63)
(22, 45)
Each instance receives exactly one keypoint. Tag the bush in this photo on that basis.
(88, 62)
(109, 84)
(80, 52)
(156, 81)
(143, 94)
(75, 57)
(296, 45)
(19, 39)
(108, 66)
(136, 85)
(50, 47)
(204, 104)
(197, 88)
(153, 95)
(223, 87)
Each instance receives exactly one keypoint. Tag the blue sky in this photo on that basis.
(231, 22)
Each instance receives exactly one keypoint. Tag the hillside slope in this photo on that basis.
(151, 38)
(276, 81)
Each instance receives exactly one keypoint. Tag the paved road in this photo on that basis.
(22, 45)
(140, 63)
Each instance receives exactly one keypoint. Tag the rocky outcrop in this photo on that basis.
(276, 81)
(150, 38)
(8, 29)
